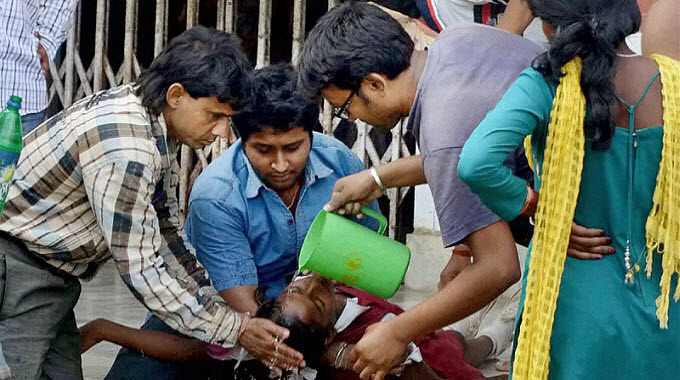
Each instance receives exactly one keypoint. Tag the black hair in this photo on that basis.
(350, 42)
(205, 61)
(276, 103)
(591, 30)
(309, 340)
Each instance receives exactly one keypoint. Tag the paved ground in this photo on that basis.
(107, 297)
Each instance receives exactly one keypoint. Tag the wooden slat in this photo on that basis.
(98, 61)
(359, 147)
(160, 32)
(327, 118)
(264, 33)
(130, 34)
(299, 8)
(84, 89)
(395, 193)
(69, 66)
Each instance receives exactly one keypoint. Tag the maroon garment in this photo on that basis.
(441, 350)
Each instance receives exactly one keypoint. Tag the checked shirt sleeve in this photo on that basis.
(121, 194)
(54, 22)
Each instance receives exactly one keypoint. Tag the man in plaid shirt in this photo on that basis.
(99, 181)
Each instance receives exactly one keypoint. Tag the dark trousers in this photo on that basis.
(38, 331)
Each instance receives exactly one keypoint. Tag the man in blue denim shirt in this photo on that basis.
(250, 210)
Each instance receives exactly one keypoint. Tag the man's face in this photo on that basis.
(311, 298)
(195, 121)
(375, 106)
(278, 157)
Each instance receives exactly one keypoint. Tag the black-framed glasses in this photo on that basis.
(341, 112)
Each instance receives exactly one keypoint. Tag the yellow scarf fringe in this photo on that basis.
(663, 222)
(561, 180)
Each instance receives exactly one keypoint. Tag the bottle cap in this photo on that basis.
(14, 102)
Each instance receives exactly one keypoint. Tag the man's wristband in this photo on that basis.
(462, 250)
(376, 178)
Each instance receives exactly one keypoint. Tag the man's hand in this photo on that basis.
(517, 17)
(353, 192)
(589, 243)
(263, 339)
(456, 264)
(90, 334)
(378, 352)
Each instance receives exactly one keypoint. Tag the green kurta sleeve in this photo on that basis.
(524, 108)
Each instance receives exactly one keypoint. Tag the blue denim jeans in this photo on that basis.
(32, 120)
(134, 365)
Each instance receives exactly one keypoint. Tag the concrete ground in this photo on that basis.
(107, 297)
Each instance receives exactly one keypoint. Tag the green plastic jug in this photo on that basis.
(343, 250)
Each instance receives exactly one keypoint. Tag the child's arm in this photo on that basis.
(156, 344)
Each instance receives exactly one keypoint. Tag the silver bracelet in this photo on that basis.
(376, 178)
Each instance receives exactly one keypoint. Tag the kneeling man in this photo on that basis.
(250, 210)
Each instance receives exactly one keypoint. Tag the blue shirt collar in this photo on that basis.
(315, 169)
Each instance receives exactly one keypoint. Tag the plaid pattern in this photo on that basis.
(100, 180)
(21, 73)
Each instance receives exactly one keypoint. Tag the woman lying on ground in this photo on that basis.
(324, 321)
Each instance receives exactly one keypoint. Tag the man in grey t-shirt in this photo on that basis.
(362, 62)
(468, 69)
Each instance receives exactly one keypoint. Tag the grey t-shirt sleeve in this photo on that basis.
(459, 210)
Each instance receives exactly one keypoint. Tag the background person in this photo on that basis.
(33, 31)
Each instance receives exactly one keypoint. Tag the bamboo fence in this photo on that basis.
(72, 80)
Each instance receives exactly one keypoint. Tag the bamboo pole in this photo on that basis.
(98, 61)
(229, 16)
(299, 9)
(110, 75)
(192, 13)
(84, 89)
(395, 193)
(327, 118)
(225, 21)
(264, 33)
(130, 26)
(359, 147)
(219, 24)
(186, 154)
(160, 29)
(327, 121)
(68, 60)
(56, 81)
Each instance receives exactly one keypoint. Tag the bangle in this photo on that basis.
(338, 356)
(244, 324)
(376, 178)
(530, 202)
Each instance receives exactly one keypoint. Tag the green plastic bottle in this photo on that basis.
(10, 145)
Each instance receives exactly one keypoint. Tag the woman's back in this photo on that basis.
(631, 80)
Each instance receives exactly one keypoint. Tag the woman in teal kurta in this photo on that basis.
(603, 328)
